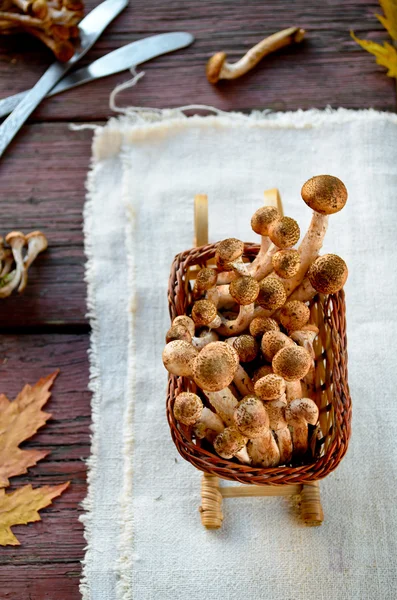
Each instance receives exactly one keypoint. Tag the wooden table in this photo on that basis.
(42, 187)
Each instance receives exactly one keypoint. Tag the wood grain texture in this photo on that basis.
(46, 565)
(42, 179)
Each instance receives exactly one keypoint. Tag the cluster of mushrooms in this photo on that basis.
(247, 341)
(17, 253)
(54, 22)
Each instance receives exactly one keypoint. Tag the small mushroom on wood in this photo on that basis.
(17, 241)
(299, 413)
(218, 68)
(261, 223)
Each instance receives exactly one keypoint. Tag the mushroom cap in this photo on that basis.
(294, 315)
(228, 251)
(247, 347)
(292, 362)
(215, 366)
(229, 442)
(302, 409)
(272, 342)
(39, 238)
(263, 218)
(250, 417)
(285, 232)
(272, 293)
(178, 332)
(244, 290)
(262, 372)
(328, 273)
(206, 279)
(187, 322)
(188, 408)
(204, 312)
(325, 194)
(178, 357)
(16, 238)
(260, 325)
(214, 66)
(270, 387)
(286, 263)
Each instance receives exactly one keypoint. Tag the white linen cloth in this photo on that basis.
(144, 535)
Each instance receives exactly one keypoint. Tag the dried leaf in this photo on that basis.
(386, 55)
(22, 506)
(389, 21)
(19, 420)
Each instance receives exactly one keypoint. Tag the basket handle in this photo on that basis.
(273, 198)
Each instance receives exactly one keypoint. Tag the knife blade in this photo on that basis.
(117, 61)
(90, 29)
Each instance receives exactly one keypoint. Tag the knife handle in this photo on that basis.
(7, 105)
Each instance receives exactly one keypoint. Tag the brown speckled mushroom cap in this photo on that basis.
(285, 232)
(247, 347)
(178, 332)
(187, 322)
(244, 290)
(203, 312)
(324, 194)
(206, 279)
(178, 357)
(302, 409)
(263, 218)
(272, 293)
(262, 372)
(228, 251)
(251, 417)
(270, 387)
(15, 238)
(229, 442)
(294, 315)
(272, 342)
(215, 366)
(292, 362)
(188, 408)
(328, 274)
(286, 263)
(260, 325)
(214, 66)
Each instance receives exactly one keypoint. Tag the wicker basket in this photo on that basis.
(331, 387)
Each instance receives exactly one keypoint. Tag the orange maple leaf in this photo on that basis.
(22, 506)
(19, 420)
(386, 55)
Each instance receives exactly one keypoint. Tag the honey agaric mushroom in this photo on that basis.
(215, 366)
(187, 322)
(218, 68)
(251, 418)
(208, 426)
(224, 403)
(247, 347)
(205, 337)
(206, 282)
(178, 357)
(241, 379)
(188, 408)
(271, 295)
(326, 195)
(261, 222)
(263, 451)
(245, 291)
(291, 362)
(17, 241)
(37, 242)
(183, 328)
(299, 413)
(278, 423)
(261, 372)
(286, 263)
(204, 313)
(261, 325)
(305, 337)
(178, 332)
(228, 256)
(294, 315)
(272, 342)
(229, 443)
(270, 387)
(326, 275)
(284, 233)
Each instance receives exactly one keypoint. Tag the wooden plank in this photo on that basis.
(47, 564)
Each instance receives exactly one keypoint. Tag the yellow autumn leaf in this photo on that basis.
(19, 420)
(22, 506)
(389, 20)
(386, 55)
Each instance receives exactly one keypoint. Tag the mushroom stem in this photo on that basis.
(17, 241)
(243, 382)
(265, 265)
(208, 426)
(293, 390)
(7, 263)
(264, 451)
(299, 413)
(232, 326)
(205, 338)
(218, 68)
(224, 404)
(304, 292)
(278, 423)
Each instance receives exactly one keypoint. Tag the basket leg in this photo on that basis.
(311, 509)
(211, 502)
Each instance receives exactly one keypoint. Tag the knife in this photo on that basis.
(90, 28)
(117, 61)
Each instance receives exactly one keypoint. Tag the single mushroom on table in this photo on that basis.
(326, 275)
(218, 68)
(17, 277)
(326, 195)
(299, 414)
(245, 291)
